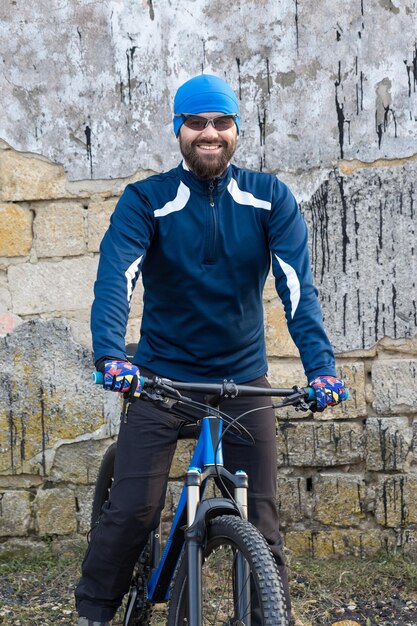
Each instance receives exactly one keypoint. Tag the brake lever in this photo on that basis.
(297, 401)
(152, 395)
(304, 406)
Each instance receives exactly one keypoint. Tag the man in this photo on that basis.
(203, 235)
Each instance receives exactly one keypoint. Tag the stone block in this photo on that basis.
(287, 373)
(30, 177)
(133, 330)
(270, 291)
(277, 337)
(338, 499)
(388, 442)
(55, 511)
(298, 542)
(59, 230)
(19, 481)
(61, 286)
(136, 305)
(407, 540)
(395, 386)
(15, 513)
(84, 496)
(402, 345)
(340, 542)
(414, 441)
(46, 395)
(16, 230)
(79, 462)
(320, 444)
(396, 500)
(172, 496)
(81, 331)
(8, 323)
(5, 299)
(293, 500)
(182, 458)
(98, 221)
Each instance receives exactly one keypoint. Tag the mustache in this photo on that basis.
(221, 142)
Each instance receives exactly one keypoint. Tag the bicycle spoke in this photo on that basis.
(219, 596)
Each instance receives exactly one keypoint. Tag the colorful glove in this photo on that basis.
(329, 391)
(121, 376)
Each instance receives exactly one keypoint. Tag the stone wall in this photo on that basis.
(347, 479)
(328, 98)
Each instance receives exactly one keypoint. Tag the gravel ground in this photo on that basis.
(37, 583)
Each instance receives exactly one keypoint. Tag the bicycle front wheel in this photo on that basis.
(227, 538)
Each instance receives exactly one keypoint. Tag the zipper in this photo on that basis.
(212, 231)
(211, 190)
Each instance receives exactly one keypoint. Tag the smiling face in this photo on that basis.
(208, 152)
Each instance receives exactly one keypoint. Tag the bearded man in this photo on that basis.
(204, 236)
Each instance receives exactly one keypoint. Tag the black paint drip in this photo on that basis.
(382, 127)
(296, 24)
(151, 10)
(262, 135)
(130, 53)
(87, 132)
(268, 78)
(412, 71)
(239, 77)
(204, 56)
(341, 119)
(345, 237)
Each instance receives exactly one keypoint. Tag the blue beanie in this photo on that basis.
(204, 93)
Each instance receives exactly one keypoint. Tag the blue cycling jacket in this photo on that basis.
(204, 249)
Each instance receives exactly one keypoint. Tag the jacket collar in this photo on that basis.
(191, 180)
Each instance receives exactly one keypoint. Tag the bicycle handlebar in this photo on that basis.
(226, 389)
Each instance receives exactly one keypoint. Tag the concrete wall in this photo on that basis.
(328, 97)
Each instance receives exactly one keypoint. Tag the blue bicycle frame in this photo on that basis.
(194, 514)
(189, 527)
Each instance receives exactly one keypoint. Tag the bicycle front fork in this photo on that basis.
(195, 536)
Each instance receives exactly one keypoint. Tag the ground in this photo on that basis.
(37, 583)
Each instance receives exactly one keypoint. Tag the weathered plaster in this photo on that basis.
(363, 245)
(90, 84)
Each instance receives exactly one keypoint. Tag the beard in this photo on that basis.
(208, 165)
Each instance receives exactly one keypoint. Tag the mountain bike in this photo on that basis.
(216, 566)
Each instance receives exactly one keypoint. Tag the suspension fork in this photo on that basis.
(194, 549)
(242, 571)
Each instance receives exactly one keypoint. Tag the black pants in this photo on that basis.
(145, 448)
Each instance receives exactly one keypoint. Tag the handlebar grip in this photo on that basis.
(98, 379)
(311, 394)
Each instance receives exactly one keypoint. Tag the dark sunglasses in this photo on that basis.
(200, 122)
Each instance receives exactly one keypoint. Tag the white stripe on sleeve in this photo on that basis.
(293, 284)
(130, 274)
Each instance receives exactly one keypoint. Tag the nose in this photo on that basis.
(209, 131)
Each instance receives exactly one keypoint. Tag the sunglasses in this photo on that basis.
(200, 122)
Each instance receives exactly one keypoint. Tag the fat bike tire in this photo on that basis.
(228, 535)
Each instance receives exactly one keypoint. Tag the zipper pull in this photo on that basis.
(211, 189)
